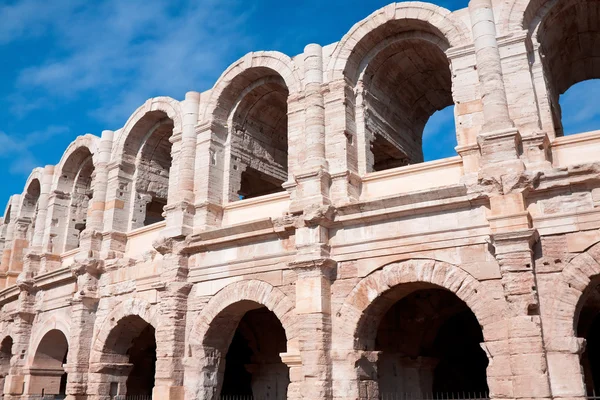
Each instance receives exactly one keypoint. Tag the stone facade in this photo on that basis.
(279, 235)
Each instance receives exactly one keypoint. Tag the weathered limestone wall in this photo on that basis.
(328, 280)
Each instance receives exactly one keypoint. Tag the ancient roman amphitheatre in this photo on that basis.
(280, 237)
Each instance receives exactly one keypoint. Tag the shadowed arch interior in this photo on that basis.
(5, 356)
(428, 342)
(402, 77)
(587, 325)
(132, 343)
(147, 157)
(254, 109)
(569, 35)
(76, 181)
(246, 340)
(47, 372)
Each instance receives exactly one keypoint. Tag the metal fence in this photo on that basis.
(236, 397)
(133, 397)
(437, 396)
(47, 396)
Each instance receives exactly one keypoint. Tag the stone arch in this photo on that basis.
(248, 113)
(488, 311)
(425, 16)
(167, 105)
(31, 193)
(72, 191)
(561, 42)
(6, 354)
(123, 352)
(58, 323)
(356, 323)
(218, 107)
(146, 157)
(130, 307)
(209, 343)
(256, 291)
(46, 372)
(569, 290)
(394, 74)
(71, 157)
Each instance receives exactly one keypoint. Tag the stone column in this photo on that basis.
(117, 206)
(341, 141)
(355, 374)
(40, 226)
(180, 211)
(53, 240)
(209, 174)
(22, 320)
(314, 269)
(83, 316)
(19, 248)
(170, 332)
(95, 221)
(312, 175)
(489, 68)
(524, 349)
(499, 140)
(10, 231)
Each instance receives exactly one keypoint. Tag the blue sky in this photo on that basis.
(71, 67)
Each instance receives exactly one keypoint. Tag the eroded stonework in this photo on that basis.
(279, 236)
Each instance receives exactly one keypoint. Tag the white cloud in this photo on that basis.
(122, 52)
(18, 148)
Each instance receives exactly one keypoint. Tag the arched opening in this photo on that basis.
(29, 208)
(257, 129)
(250, 339)
(76, 181)
(402, 77)
(132, 345)
(428, 342)
(47, 374)
(439, 135)
(148, 158)
(568, 33)
(587, 325)
(579, 108)
(5, 356)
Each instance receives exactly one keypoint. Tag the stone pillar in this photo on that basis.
(312, 175)
(314, 269)
(22, 320)
(489, 68)
(355, 373)
(40, 226)
(524, 349)
(19, 248)
(341, 142)
(95, 221)
(83, 316)
(119, 189)
(499, 140)
(180, 210)
(10, 231)
(209, 174)
(170, 332)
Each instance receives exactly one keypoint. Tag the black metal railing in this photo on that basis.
(47, 396)
(133, 397)
(436, 396)
(593, 396)
(236, 397)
